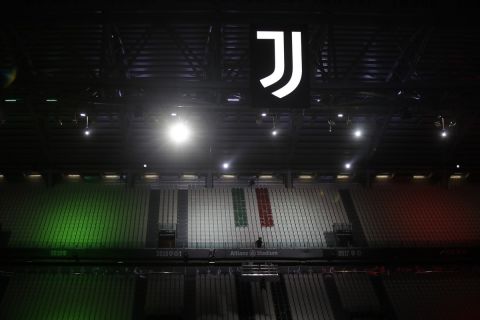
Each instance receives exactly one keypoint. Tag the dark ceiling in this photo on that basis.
(390, 69)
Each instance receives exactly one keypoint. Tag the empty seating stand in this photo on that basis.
(216, 297)
(68, 296)
(434, 296)
(308, 297)
(75, 215)
(417, 216)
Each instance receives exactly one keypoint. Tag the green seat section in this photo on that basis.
(75, 215)
(68, 296)
(239, 207)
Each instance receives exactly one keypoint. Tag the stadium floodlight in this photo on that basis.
(179, 132)
(358, 133)
(225, 165)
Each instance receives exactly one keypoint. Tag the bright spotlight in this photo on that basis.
(83, 114)
(340, 115)
(348, 165)
(274, 132)
(444, 134)
(179, 133)
(264, 114)
(87, 132)
(144, 165)
(458, 166)
(226, 165)
(358, 133)
(173, 114)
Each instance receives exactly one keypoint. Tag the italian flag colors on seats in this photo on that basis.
(264, 207)
(239, 207)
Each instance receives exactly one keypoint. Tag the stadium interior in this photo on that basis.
(153, 167)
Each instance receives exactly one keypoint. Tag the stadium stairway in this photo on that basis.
(244, 298)
(280, 300)
(383, 298)
(152, 225)
(182, 219)
(357, 230)
(139, 297)
(334, 297)
(190, 293)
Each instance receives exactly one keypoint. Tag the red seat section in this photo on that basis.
(264, 207)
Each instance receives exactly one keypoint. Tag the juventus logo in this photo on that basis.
(279, 70)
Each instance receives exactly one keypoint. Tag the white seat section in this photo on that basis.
(165, 295)
(300, 218)
(216, 297)
(356, 292)
(307, 297)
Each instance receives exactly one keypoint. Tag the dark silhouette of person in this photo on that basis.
(259, 242)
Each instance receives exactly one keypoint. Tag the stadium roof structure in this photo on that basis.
(391, 70)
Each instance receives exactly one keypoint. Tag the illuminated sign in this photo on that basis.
(278, 59)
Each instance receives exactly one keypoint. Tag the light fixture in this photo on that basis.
(86, 132)
(227, 176)
(383, 176)
(144, 165)
(111, 176)
(340, 115)
(51, 100)
(34, 175)
(343, 176)
(179, 132)
(305, 176)
(419, 176)
(348, 165)
(264, 114)
(189, 176)
(173, 114)
(358, 133)
(225, 165)
(274, 132)
(265, 176)
(444, 134)
(10, 100)
(150, 176)
(458, 166)
(73, 176)
(83, 114)
(233, 99)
